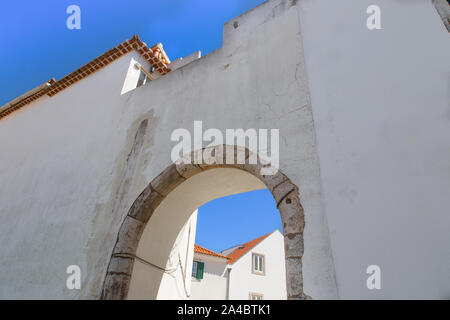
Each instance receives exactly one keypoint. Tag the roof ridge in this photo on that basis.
(203, 250)
(245, 247)
(154, 56)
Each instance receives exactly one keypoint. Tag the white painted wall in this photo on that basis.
(67, 181)
(380, 106)
(273, 284)
(242, 281)
(132, 77)
(176, 283)
(60, 173)
(213, 286)
(380, 102)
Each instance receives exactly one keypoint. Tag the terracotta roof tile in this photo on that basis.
(154, 55)
(202, 250)
(244, 248)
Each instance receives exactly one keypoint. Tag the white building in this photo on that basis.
(254, 270)
(87, 179)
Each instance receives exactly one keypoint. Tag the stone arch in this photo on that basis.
(118, 275)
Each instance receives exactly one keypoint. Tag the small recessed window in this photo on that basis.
(197, 269)
(256, 296)
(142, 79)
(258, 264)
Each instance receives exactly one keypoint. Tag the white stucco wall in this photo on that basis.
(380, 102)
(242, 282)
(273, 284)
(61, 185)
(176, 284)
(213, 286)
(69, 172)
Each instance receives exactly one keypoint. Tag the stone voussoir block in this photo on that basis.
(237, 154)
(213, 157)
(186, 166)
(291, 212)
(129, 235)
(230, 156)
(145, 204)
(261, 169)
(293, 245)
(294, 277)
(197, 157)
(121, 265)
(116, 286)
(273, 180)
(167, 180)
(282, 190)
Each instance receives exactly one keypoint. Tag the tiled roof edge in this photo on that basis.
(154, 56)
(202, 250)
(246, 247)
(26, 98)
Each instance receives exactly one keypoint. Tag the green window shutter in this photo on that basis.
(194, 269)
(200, 268)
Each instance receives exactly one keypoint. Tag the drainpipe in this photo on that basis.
(228, 283)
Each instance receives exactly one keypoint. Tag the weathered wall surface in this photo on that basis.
(72, 165)
(66, 169)
(381, 111)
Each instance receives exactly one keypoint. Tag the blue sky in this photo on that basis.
(36, 46)
(232, 220)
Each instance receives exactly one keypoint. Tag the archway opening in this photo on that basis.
(239, 249)
(143, 253)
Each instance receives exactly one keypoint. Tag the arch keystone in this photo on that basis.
(213, 157)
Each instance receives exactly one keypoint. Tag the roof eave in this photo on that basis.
(32, 94)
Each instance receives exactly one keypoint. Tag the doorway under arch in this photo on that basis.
(150, 228)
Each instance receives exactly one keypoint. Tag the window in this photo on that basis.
(258, 264)
(142, 79)
(194, 269)
(197, 269)
(256, 296)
